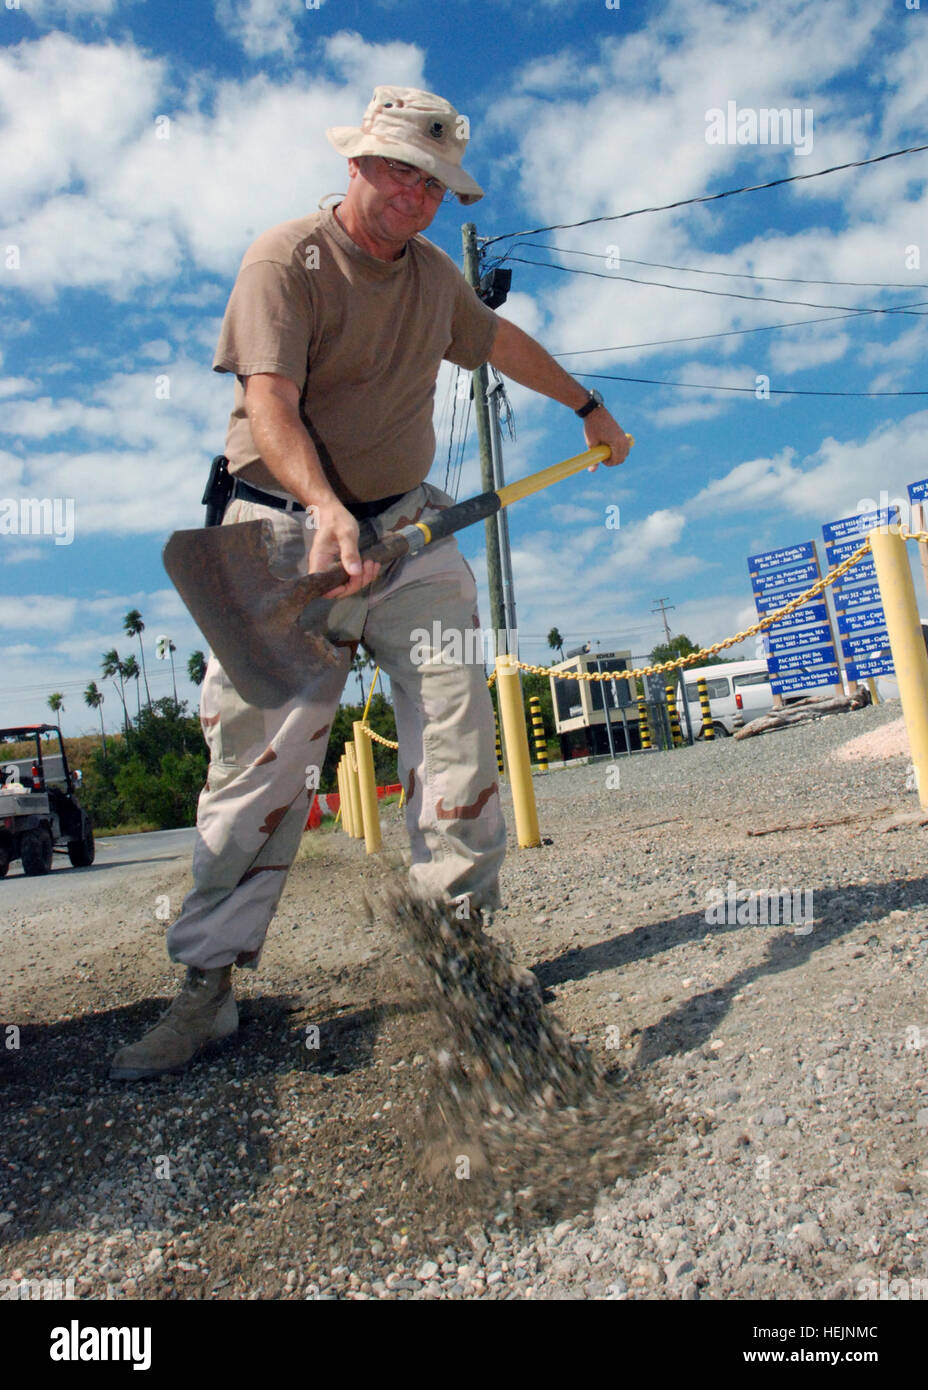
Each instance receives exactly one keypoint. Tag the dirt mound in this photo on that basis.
(890, 741)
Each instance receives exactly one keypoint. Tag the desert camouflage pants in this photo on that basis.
(252, 811)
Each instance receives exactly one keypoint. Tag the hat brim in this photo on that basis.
(353, 143)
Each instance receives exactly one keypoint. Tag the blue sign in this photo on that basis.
(859, 525)
(862, 619)
(864, 569)
(768, 603)
(791, 661)
(806, 616)
(778, 641)
(861, 670)
(918, 491)
(861, 648)
(799, 574)
(865, 596)
(786, 555)
(786, 685)
(842, 549)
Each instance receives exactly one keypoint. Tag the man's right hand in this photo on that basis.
(335, 539)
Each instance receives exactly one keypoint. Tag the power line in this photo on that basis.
(728, 333)
(751, 390)
(733, 274)
(454, 411)
(705, 197)
(718, 294)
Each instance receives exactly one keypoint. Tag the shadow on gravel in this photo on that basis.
(72, 1137)
(837, 911)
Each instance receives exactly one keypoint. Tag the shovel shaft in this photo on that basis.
(455, 518)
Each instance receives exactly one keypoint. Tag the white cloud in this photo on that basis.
(791, 354)
(15, 386)
(365, 65)
(13, 554)
(124, 441)
(829, 483)
(262, 27)
(123, 181)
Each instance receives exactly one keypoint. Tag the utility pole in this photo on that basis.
(482, 415)
(661, 603)
(502, 516)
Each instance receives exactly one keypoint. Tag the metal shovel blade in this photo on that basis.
(247, 614)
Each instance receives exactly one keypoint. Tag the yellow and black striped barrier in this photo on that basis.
(499, 747)
(676, 733)
(538, 733)
(644, 730)
(708, 728)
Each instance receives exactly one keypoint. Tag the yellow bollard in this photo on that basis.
(499, 747)
(897, 593)
(367, 786)
(538, 733)
(676, 733)
(705, 709)
(354, 810)
(343, 792)
(512, 714)
(644, 731)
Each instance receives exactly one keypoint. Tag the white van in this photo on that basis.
(738, 691)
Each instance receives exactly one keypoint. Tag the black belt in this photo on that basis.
(359, 510)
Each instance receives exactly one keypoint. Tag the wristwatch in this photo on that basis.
(592, 404)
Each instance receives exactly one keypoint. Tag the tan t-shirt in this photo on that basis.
(362, 338)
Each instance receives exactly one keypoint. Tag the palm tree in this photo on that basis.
(556, 641)
(112, 665)
(196, 667)
(134, 626)
(94, 698)
(56, 702)
(359, 664)
(130, 669)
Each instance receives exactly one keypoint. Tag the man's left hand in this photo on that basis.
(600, 428)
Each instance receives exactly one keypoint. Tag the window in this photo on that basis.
(716, 688)
(752, 678)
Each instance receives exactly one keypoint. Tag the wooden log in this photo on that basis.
(802, 711)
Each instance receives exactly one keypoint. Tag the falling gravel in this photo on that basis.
(513, 1099)
(765, 1078)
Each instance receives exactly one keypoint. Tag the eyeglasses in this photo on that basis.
(408, 177)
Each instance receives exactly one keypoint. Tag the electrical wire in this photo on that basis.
(728, 333)
(751, 390)
(719, 294)
(732, 274)
(454, 411)
(705, 197)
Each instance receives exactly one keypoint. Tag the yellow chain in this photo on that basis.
(377, 738)
(818, 587)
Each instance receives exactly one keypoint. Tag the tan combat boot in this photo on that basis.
(202, 1013)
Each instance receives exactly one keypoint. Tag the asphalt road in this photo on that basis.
(117, 856)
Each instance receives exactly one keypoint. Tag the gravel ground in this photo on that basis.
(769, 1081)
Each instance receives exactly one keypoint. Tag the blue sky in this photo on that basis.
(126, 246)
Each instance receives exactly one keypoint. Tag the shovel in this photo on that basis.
(260, 627)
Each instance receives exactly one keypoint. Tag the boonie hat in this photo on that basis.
(416, 127)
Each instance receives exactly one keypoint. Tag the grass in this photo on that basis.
(134, 828)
